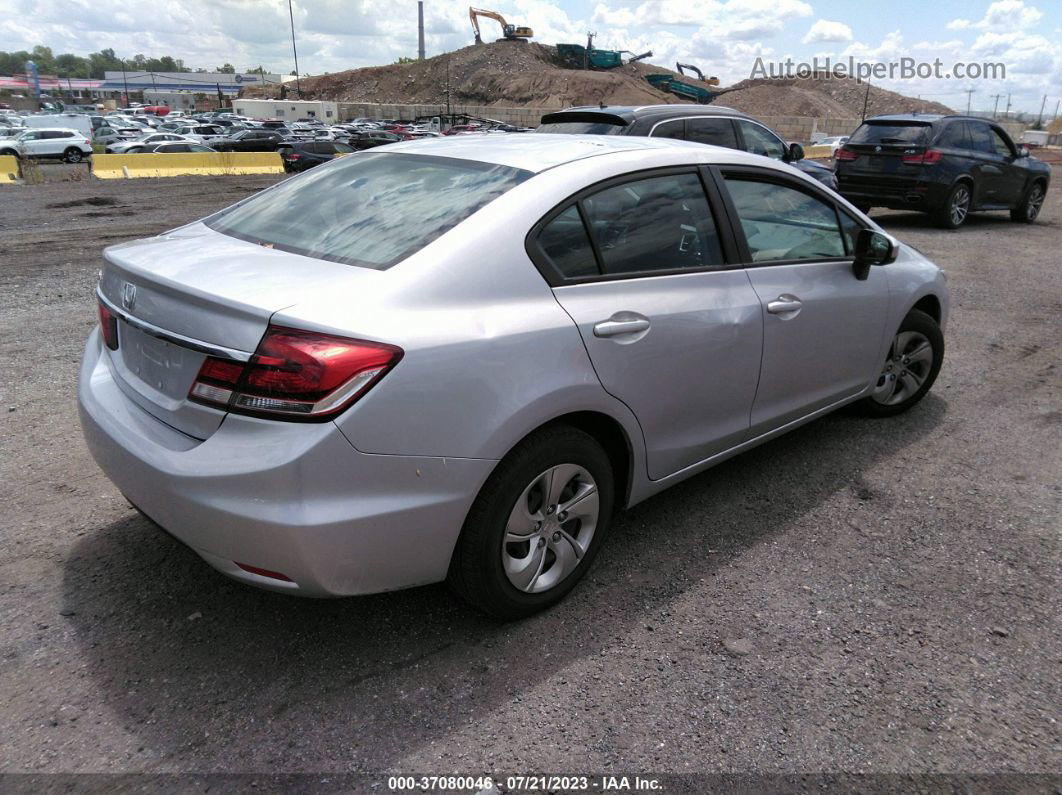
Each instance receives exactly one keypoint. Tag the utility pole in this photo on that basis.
(291, 16)
(995, 107)
(420, 30)
(125, 86)
(1006, 113)
(1056, 109)
(1040, 118)
(969, 99)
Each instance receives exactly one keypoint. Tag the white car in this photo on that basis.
(835, 143)
(139, 144)
(69, 145)
(202, 133)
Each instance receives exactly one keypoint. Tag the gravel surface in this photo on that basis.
(878, 596)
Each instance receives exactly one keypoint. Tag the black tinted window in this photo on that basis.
(660, 223)
(670, 129)
(955, 136)
(719, 132)
(893, 132)
(1001, 146)
(783, 223)
(565, 242)
(372, 210)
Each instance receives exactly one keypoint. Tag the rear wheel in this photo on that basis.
(536, 525)
(956, 207)
(8, 153)
(73, 155)
(1029, 209)
(910, 368)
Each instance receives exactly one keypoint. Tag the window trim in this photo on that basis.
(770, 175)
(554, 278)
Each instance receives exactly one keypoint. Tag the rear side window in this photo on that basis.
(893, 132)
(670, 129)
(565, 242)
(954, 136)
(782, 223)
(718, 132)
(372, 210)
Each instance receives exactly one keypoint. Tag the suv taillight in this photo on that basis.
(295, 374)
(845, 154)
(108, 326)
(926, 158)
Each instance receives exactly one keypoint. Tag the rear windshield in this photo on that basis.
(893, 132)
(371, 209)
(581, 128)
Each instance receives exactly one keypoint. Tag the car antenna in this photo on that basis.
(602, 105)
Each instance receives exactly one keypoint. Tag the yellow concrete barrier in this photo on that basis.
(181, 164)
(818, 151)
(8, 169)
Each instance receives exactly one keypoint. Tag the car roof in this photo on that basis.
(928, 118)
(631, 113)
(538, 153)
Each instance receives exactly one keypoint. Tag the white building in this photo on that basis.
(286, 109)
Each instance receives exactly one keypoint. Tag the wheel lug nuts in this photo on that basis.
(538, 525)
(542, 542)
(563, 515)
(556, 537)
(551, 509)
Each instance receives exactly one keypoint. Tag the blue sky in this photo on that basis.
(723, 37)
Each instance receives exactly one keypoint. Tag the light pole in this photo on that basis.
(291, 16)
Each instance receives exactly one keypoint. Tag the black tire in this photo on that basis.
(9, 153)
(476, 569)
(1029, 210)
(920, 323)
(955, 209)
(73, 155)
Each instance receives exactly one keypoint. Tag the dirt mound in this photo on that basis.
(510, 74)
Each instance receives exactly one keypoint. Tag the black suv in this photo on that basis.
(713, 125)
(946, 166)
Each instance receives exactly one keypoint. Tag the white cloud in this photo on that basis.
(827, 30)
(1002, 15)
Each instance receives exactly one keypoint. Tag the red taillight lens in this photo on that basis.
(845, 154)
(294, 157)
(926, 158)
(108, 327)
(274, 575)
(295, 373)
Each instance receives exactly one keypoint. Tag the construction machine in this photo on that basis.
(509, 32)
(682, 67)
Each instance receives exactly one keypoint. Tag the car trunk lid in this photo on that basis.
(196, 292)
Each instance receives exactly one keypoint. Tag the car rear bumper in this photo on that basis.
(294, 498)
(893, 193)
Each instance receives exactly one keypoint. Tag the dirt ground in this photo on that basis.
(858, 596)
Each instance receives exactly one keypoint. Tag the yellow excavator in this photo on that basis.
(510, 32)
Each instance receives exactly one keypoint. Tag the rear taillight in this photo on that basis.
(108, 327)
(295, 374)
(926, 158)
(845, 154)
(294, 157)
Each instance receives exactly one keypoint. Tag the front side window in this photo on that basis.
(1001, 147)
(761, 141)
(782, 223)
(655, 224)
(372, 211)
(718, 132)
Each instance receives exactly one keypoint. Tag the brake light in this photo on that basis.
(108, 327)
(926, 158)
(845, 154)
(295, 374)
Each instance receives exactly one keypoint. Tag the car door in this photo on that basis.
(990, 180)
(53, 142)
(672, 329)
(822, 328)
(1012, 180)
(31, 143)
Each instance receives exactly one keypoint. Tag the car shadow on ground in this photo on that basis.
(197, 667)
(900, 219)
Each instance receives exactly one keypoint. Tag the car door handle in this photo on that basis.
(783, 304)
(615, 326)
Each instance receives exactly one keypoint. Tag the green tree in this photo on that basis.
(227, 69)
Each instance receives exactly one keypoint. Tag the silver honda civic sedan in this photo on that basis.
(455, 359)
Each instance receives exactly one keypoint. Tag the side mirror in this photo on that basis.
(1023, 151)
(873, 248)
(796, 152)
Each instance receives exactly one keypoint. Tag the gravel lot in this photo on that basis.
(859, 596)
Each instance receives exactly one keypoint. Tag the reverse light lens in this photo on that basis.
(295, 373)
(108, 327)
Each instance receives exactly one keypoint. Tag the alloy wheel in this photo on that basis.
(1035, 202)
(550, 528)
(960, 205)
(907, 366)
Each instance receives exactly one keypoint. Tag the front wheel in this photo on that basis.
(910, 368)
(73, 155)
(956, 207)
(1029, 209)
(536, 525)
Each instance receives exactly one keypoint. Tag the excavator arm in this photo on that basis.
(510, 32)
